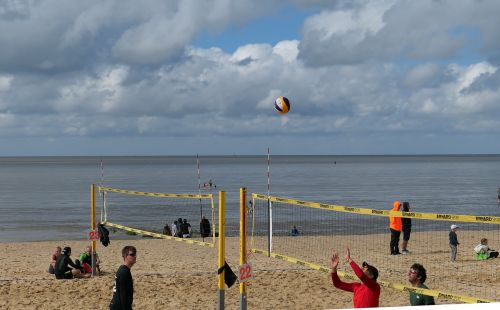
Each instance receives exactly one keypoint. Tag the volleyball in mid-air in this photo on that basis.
(282, 105)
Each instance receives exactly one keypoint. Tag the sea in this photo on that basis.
(48, 198)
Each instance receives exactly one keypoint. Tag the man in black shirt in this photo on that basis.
(406, 228)
(123, 289)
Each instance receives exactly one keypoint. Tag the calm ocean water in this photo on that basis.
(48, 198)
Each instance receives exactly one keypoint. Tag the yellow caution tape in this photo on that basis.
(385, 213)
(163, 195)
(157, 235)
(401, 287)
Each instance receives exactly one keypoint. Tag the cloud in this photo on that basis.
(425, 75)
(5, 82)
(50, 36)
(214, 92)
(459, 100)
(361, 69)
(386, 30)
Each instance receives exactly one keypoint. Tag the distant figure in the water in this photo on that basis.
(209, 185)
(295, 232)
(498, 194)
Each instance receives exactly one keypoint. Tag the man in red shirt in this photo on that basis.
(366, 293)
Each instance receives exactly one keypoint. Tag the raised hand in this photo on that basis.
(348, 255)
(334, 262)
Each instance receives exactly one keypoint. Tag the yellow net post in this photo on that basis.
(243, 244)
(222, 249)
(213, 218)
(93, 226)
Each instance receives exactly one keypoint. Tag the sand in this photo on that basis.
(174, 275)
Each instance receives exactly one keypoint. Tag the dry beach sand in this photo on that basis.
(175, 275)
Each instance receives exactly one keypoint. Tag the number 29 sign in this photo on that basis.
(93, 235)
(245, 273)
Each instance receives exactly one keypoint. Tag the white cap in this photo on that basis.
(454, 226)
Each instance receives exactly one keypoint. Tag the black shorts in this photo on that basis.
(406, 234)
(67, 275)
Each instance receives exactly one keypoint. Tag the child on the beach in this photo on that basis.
(453, 242)
(483, 251)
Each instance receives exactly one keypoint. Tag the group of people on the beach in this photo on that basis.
(62, 266)
(398, 225)
(365, 293)
(181, 228)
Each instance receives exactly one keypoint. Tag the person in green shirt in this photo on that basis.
(417, 276)
(86, 258)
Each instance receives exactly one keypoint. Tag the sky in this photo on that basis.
(184, 77)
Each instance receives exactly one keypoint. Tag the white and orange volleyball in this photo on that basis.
(282, 105)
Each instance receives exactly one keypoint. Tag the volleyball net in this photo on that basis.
(321, 229)
(149, 214)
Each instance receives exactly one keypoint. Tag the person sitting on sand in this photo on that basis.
(417, 276)
(483, 251)
(186, 230)
(86, 260)
(366, 293)
(62, 269)
(53, 259)
(295, 232)
(174, 228)
(166, 230)
(179, 224)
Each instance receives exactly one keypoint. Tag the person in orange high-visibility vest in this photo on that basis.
(395, 226)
